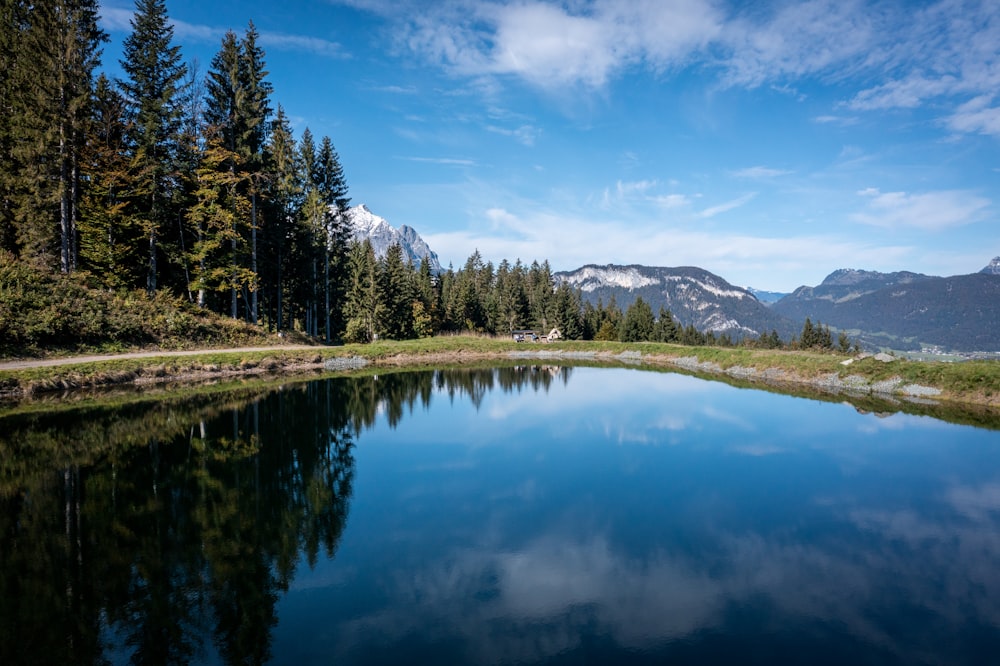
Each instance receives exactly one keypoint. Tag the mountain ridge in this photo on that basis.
(693, 295)
(365, 224)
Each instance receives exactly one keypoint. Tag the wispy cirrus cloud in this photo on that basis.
(114, 19)
(446, 161)
(977, 116)
(525, 134)
(727, 206)
(929, 211)
(759, 172)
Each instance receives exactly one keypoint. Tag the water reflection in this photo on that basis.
(516, 515)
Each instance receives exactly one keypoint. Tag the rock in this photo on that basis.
(885, 358)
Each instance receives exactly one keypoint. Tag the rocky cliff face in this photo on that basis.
(993, 268)
(366, 224)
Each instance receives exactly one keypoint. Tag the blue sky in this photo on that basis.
(768, 142)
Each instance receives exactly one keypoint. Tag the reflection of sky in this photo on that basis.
(651, 511)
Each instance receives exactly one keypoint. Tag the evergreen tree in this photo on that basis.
(110, 236)
(638, 325)
(47, 84)
(843, 342)
(666, 329)
(255, 111)
(567, 312)
(236, 112)
(364, 309)
(283, 197)
(540, 295)
(396, 295)
(313, 215)
(154, 73)
(331, 187)
(426, 302)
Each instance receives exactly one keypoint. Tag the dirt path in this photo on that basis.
(70, 360)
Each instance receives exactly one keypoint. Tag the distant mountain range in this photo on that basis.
(901, 310)
(366, 224)
(693, 295)
(906, 310)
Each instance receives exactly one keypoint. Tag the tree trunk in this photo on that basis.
(253, 257)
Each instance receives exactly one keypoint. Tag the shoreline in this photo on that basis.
(24, 379)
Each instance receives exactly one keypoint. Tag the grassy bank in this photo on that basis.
(971, 382)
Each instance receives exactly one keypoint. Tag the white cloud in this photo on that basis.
(569, 241)
(977, 115)
(639, 186)
(836, 120)
(671, 200)
(447, 161)
(945, 50)
(799, 39)
(119, 20)
(303, 44)
(727, 206)
(760, 172)
(114, 19)
(525, 134)
(930, 211)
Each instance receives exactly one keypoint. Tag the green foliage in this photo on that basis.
(638, 325)
(41, 310)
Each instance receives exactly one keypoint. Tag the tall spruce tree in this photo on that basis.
(331, 187)
(153, 77)
(110, 235)
(54, 48)
(224, 133)
(255, 109)
(283, 198)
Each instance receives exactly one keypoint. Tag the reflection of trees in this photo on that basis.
(157, 530)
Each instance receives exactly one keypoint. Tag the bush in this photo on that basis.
(42, 311)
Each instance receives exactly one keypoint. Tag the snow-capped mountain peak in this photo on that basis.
(993, 268)
(366, 224)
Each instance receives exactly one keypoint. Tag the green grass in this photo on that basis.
(975, 381)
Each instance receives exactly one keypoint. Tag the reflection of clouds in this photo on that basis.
(758, 449)
(593, 390)
(728, 417)
(544, 600)
(549, 596)
(976, 503)
(663, 430)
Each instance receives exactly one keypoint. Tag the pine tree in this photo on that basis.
(638, 324)
(332, 189)
(396, 295)
(666, 327)
(110, 235)
(283, 197)
(47, 84)
(255, 110)
(154, 73)
(567, 312)
(364, 309)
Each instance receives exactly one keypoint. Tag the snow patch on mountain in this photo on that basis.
(590, 278)
(710, 288)
(993, 268)
(366, 224)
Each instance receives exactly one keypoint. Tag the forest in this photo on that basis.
(172, 196)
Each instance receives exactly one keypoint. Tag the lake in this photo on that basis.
(514, 515)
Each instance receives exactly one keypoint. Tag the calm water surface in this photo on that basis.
(504, 516)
